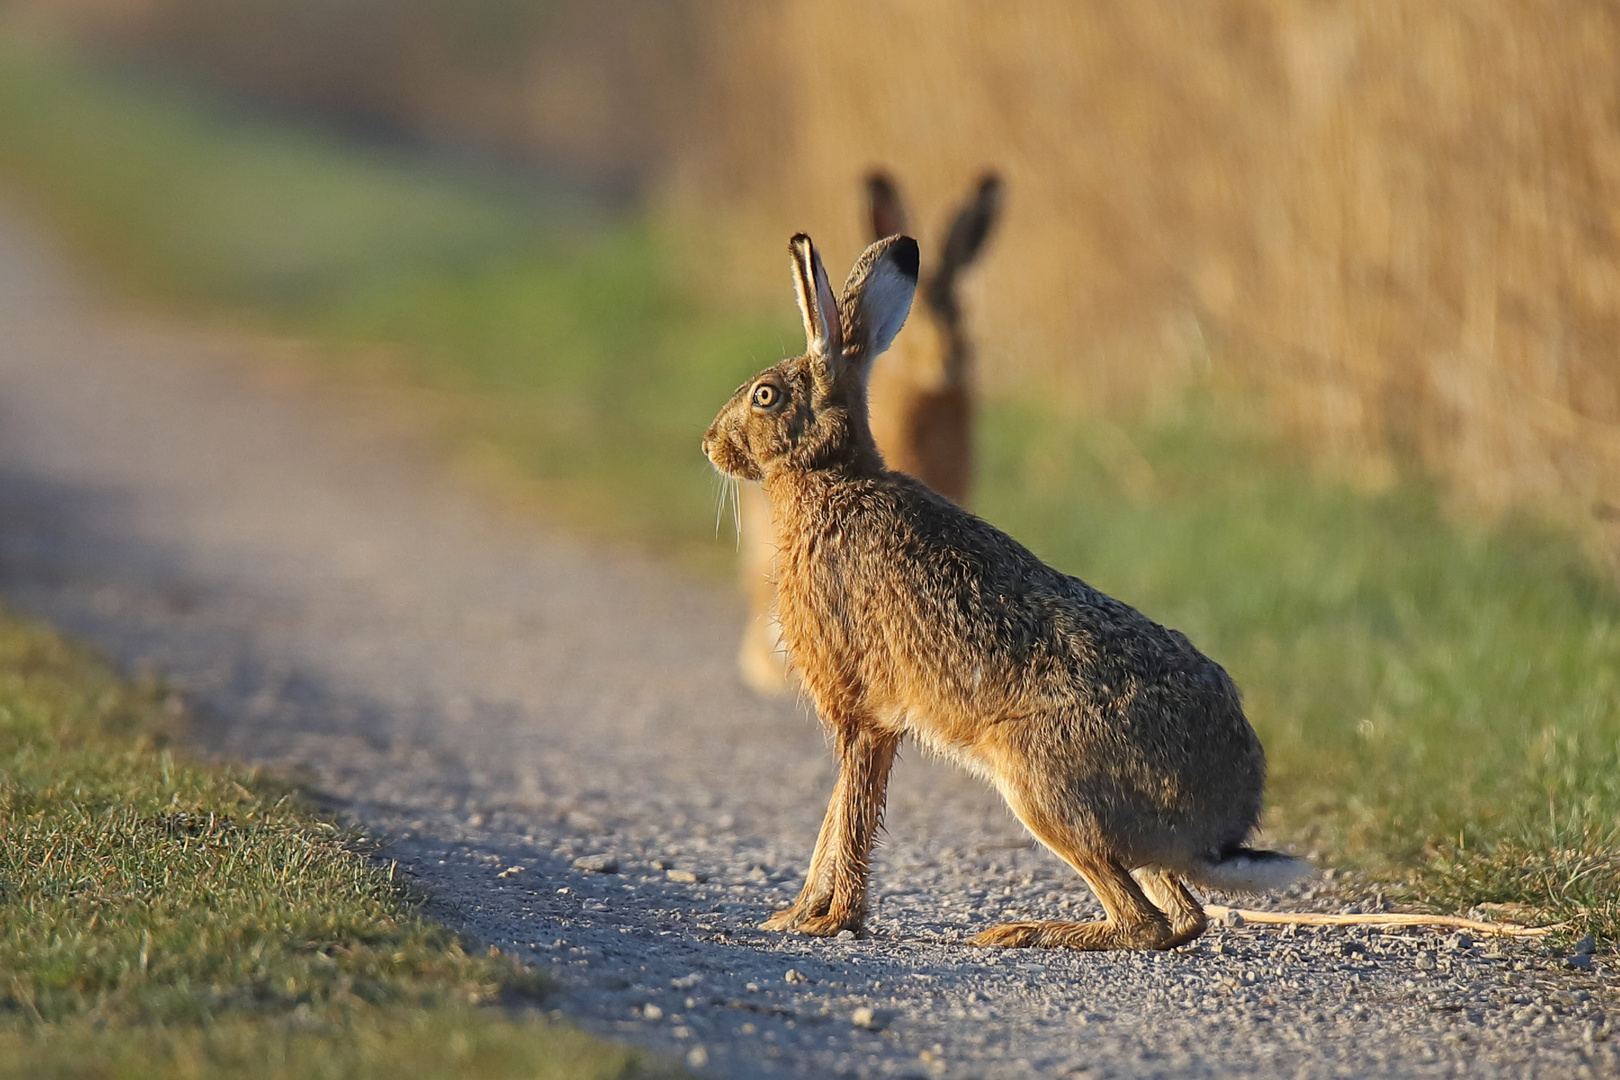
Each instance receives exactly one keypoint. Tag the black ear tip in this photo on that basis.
(905, 256)
(990, 190)
(880, 184)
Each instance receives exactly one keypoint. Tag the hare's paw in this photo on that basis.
(814, 920)
(1092, 936)
(1008, 935)
(830, 924)
(784, 919)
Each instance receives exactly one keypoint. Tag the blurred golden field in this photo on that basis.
(1398, 219)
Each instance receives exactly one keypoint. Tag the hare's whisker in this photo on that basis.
(720, 488)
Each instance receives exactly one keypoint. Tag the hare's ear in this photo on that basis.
(887, 209)
(877, 297)
(972, 226)
(823, 329)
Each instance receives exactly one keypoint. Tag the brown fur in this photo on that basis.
(922, 409)
(1118, 744)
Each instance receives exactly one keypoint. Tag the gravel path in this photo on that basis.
(552, 739)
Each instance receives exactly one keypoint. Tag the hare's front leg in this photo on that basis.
(834, 893)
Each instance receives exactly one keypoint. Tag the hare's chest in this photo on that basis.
(819, 623)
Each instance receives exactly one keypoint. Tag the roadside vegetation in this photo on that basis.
(1440, 700)
(164, 917)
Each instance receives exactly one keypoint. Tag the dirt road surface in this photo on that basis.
(552, 740)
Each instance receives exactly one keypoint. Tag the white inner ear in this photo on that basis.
(885, 302)
(804, 289)
(823, 331)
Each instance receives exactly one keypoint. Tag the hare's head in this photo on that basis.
(810, 412)
(944, 338)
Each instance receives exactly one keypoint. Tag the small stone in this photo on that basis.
(597, 864)
(871, 1019)
(1580, 961)
(752, 988)
(1425, 961)
(846, 935)
(697, 1058)
(1351, 948)
(685, 877)
(794, 976)
(1459, 942)
(651, 1012)
(1232, 918)
(686, 982)
(510, 871)
(1586, 946)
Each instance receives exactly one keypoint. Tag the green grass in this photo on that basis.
(1439, 701)
(163, 917)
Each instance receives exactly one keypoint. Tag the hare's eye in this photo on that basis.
(766, 396)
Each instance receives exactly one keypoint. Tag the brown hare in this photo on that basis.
(1117, 744)
(922, 399)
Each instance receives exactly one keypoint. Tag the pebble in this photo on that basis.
(597, 864)
(1580, 961)
(1586, 946)
(793, 975)
(871, 1019)
(686, 877)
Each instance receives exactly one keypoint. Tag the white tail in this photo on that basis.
(1247, 870)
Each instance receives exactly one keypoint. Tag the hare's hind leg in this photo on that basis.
(834, 893)
(1169, 895)
(1132, 923)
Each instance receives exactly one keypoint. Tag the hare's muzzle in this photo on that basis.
(725, 451)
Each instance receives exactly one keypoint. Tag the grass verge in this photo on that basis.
(1440, 702)
(161, 917)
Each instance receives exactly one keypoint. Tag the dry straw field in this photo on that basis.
(1398, 219)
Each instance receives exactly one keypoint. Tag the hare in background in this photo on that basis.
(922, 409)
(1119, 745)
